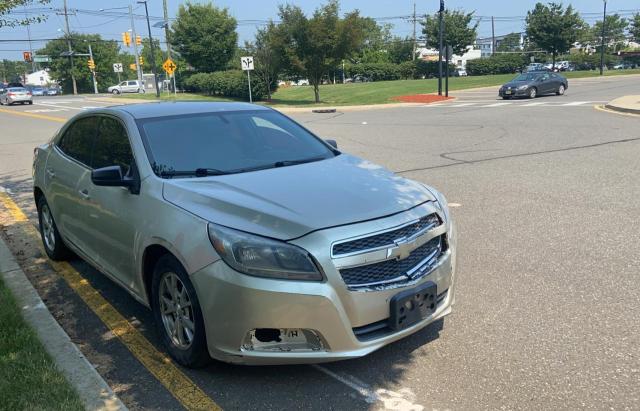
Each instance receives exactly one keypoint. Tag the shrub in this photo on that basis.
(497, 64)
(230, 83)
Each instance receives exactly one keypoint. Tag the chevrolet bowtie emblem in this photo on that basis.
(402, 249)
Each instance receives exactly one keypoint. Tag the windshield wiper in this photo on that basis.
(285, 163)
(198, 172)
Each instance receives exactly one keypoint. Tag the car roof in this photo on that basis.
(176, 108)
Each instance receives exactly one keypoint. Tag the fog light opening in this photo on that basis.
(282, 340)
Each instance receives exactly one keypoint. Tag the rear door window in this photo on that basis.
(77, 141)
(112, 146)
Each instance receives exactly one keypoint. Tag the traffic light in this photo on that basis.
(126, 38)
(26, 55)
(141, 60)
(132, 66)
(138, 40)
(91, 64)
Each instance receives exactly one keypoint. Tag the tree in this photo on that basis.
(511, 42)
(7, 5)
(553, 28)
(205, 36)
(12, 71)
(634, 28)
(458, 31)
(614, 31)
(267, 59)
(313, 46)
(400, 50)
(105, 53)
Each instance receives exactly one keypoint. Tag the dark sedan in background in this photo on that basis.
(533, 84)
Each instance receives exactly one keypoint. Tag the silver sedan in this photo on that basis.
(13, 95)
(251, 239)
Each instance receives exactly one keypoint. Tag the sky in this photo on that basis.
(509, 16)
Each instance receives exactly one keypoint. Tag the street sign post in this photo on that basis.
(117, 68)
(170, 67)
(247, 65)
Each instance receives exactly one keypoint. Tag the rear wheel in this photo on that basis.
(51, 240)
(533, 92)
(177, 313)
(561, 90)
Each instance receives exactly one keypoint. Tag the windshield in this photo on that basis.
(527, 77)
(227, 143)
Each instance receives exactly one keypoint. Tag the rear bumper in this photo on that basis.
(234, 304)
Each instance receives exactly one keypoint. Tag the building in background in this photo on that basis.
(39, 78)
(485, 44)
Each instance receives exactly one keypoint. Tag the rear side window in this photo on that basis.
(77, 141)
(112, 146)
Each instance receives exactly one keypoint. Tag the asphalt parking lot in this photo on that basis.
(545, 197)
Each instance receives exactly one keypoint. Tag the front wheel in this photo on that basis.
(53, 244)
(177, 313)
(561, 90)
(533, 92)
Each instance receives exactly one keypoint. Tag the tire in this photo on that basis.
(115, 91)
(561, 90)
(51, 240)
(167, 274)
(533, 92)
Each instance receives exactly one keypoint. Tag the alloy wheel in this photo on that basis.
(48, 232)
(176, 311)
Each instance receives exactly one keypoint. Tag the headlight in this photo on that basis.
(523, 87)
(262, 257)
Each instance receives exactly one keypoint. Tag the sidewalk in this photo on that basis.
(626, 104)
(90, 386)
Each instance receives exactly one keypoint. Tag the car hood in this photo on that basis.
(289, 202)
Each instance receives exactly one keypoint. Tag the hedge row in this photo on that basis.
(389, 71)
(498, 64)
(231, 83)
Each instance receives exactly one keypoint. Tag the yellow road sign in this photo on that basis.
(169, 66)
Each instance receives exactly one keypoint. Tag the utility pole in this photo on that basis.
(73, 77)
(493, 37)
(415, 46)
(166, 36)
(153, 57)
(604, 22)
(93, 72)
(135, 49)
(441, 38)
(33, 60)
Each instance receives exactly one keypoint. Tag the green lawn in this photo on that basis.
(29, 379)
(376, 92)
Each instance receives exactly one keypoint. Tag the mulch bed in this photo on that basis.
(421, 98)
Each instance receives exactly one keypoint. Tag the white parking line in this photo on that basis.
(57, 106)
(390, 400)
(576, 103)
(497, 104)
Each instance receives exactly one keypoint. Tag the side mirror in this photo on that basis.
(112, 177)
(332, 143)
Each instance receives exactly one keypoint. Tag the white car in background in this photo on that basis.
(129, 86)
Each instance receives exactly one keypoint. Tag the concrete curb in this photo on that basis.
(90, 386)
(625, 104)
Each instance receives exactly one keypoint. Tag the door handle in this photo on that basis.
(85, 194)
(50, 173)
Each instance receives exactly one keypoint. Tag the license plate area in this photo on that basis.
(412, 306)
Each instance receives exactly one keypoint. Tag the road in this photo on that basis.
(545, 195)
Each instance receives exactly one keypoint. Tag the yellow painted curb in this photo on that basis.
(158, 364)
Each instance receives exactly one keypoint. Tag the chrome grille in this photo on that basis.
(419, 263)
(387, 238)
